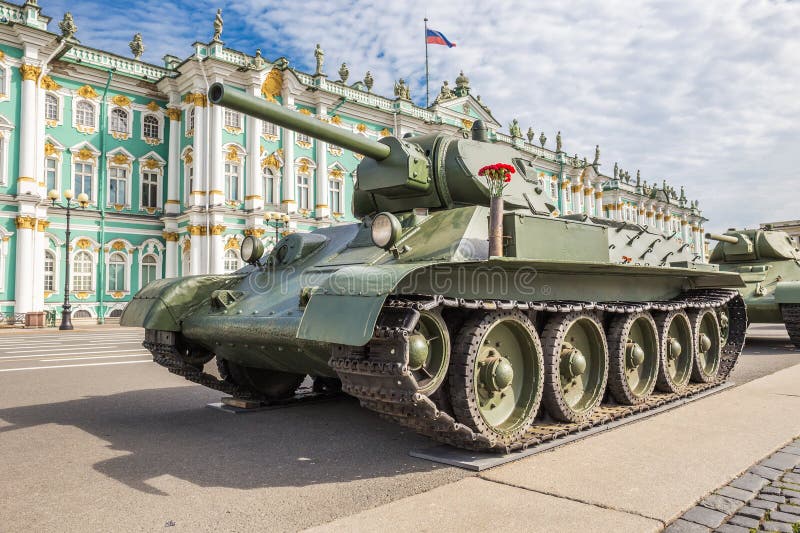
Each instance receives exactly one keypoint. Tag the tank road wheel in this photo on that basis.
(791, 318)
(634, 353)
(707, 345)
(271, 384)
(677, 351)
(724, 319)
(495, 377)
(575, 364)
(429, 351)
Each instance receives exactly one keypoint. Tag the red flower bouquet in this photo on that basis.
(497, 177)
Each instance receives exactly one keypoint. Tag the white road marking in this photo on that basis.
(66, 354)
(95, 357)
(72, 366)
(66, 349)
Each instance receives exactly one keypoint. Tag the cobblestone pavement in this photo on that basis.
(765, 498)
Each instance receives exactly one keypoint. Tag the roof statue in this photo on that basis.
(258, 61)
(217, 26)
(514, 129)
(558, 142)
(344, 73)
(542, 139)
(484, 106)
(445, 93)
(281, 63)
(530, 134)
(616, 170)
(319, 55)
(137, 46)
(401, 90)
(596, 156)
(369, 81)
(68, 27)
(462, 85)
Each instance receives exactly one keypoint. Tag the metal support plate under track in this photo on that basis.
(479, 461)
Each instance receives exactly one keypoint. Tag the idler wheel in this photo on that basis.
(576, 365)
(495, 377)
(634, 354)
(192, 354)
(677, 350)
(705, 366)
(429, 351)
(271, 384)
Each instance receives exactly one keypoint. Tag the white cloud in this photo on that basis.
(700, 93)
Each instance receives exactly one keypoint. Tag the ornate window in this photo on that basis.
(233, 119)
(51, 107)
(303, 138)
(49, 271)
(302, 190)
(188, 173)
(119, 120)
(82, 279)
(335, 195)
(118, 186)
(150, 127)
(3, 148)
(232, 262)
(190, 121)
(84, 114)
(149, 188)
(269, 185)
(553, 189)
(232, 169)
(149, 264)
(116, 272)
(269, 129)
(84, 171)
(51, 173)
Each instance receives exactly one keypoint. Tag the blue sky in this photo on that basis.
(703, 94)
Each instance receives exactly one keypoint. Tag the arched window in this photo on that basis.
(233, 119)
(82, 271)
(190, 120)
(116, 272)
(269, 185)
(84, 114)
(268, 128)
(150, 125)
(232, 262)
(188, 174)
(50, 107)
(149, 188)
(116, 313)
(149, 263)
(118, 186)
(232, 180)
(49, 271)
(335, 195)
(81, 313)
(119, 120)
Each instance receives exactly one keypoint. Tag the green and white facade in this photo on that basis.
(175, 184)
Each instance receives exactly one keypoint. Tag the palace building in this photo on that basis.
(174, 184)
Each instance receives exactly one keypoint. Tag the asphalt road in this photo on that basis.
(94, 436)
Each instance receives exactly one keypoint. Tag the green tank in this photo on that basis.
(578, 322)
(769, 263)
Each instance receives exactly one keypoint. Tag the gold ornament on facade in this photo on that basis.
(334, 150)
(119, 207)
(273, 83)
(42, 225)
(118, 246)
(121, 100)
(271, 161)
(197, 99)
(303, 144)
(48, 84)
(466, 123)
(254, 232)
(83, 244)
(217, 229)
(174, 113)
(233, 155)
(81, 295)
(336, 119)
(2, 56)
(120, 159)
(305, 112)
(87, 92)
(117, 294)
(152, 164)
(304, 166)
(385, 132)
(358, 156)
(187, 245)
(188, 158)
(361, 127)
(170, 236)
(196, 230)
(153, 106)
(50, 150)
(232, 243)
(30, 72)
(337, 173)
(25, 222)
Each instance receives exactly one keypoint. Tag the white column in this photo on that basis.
(199, 155)
(216, 246)
(255, 185)
(598, 202)
(38, 265)
(288, 183)
(24, 284)
(173, 177)
(39, 158)
(216, 188)
(171, 254)
(27, 183)
(587, 201)
(321, 206)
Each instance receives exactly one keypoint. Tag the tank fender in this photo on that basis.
(787, 292)
(163, 303)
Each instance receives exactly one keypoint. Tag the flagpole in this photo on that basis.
(427, 81)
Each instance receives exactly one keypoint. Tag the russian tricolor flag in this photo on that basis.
(437, 37)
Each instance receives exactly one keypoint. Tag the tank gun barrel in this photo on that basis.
(730, 239)
(224, 96)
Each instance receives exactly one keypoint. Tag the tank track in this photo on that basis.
(378, 374)
(791, 318)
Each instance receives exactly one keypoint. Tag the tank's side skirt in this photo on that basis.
(378, 375)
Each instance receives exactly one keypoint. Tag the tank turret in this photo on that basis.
(435, 171)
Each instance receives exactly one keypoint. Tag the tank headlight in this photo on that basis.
(252, 249)
(386, 230)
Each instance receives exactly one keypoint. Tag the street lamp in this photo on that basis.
(82, 202)
(277, 220)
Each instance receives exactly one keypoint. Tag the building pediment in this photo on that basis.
(465, 108)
